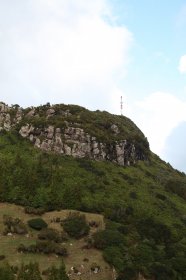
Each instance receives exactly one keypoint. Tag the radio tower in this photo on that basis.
(121, 103)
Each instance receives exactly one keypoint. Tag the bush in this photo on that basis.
(37, 223)
(52, 234)
(114, 257)
(45, 247)
(56, 273)
(34, 211)
(133, 195)
(2, 257)
(151, 229)
(161, 196)
(75, 225)
(129, 273)
(107, 238)
(14, 225)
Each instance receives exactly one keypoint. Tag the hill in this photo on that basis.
(66, 157)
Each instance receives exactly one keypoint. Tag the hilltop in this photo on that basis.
(67, 157)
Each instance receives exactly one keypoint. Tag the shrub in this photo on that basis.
(29, 272)
(161, 196)
(34, 211)
(2, 257)
(129, 273)
(107, 238)
(114, 257)
(14, 225)
(133, 195)
(45, 247)
(56, 273)
(75, 225)
(52, 234)
(151, 229)
(37, 223)
(176, 186)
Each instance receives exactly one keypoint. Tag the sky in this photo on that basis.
(92, 52)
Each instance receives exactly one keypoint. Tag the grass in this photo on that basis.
(77, 254)
(32, 178)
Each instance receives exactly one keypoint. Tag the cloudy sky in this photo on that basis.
(90, 52)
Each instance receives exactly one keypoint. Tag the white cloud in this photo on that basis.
(64, 51)
(157, 115)
(182, 64)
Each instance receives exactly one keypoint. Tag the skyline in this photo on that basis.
(91, 53)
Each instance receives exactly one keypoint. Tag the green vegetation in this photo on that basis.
(13, 225)
(31, 272)
(52, 235)
(143, 205)
(37, 223)
(45, 247)
(75, 225)
(57, 273)
(6, 273)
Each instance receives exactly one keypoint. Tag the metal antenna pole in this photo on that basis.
(121, 103)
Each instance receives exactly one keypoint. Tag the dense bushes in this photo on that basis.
(105, 238)
(45, 247)
(31, 271)
(149, 228)
(114, 257)
(176, 186)
(37, 223)
(75, 225)
(52, 234)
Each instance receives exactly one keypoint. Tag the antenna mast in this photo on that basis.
(121, 104)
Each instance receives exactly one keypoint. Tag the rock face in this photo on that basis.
(70, 140)
(6, 120)
(74, 141)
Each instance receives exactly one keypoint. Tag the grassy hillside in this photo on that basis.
(77, 257)
(143, 205)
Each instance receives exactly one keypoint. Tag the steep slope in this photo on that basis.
(143, 204)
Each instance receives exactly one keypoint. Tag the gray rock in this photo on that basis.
(31, 113)
(115, 128)
(37, 143)
(67, 150)
(50, 112)
(50, 132)
(3, 107)
(7, 122)
(26, 130)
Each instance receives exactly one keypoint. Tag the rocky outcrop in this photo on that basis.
(74, 141)
(71, 139)
(7, 119)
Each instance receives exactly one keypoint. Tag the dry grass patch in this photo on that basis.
(79, 258)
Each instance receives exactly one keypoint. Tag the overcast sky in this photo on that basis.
(90, 52)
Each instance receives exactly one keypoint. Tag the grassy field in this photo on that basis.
(77, 255)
